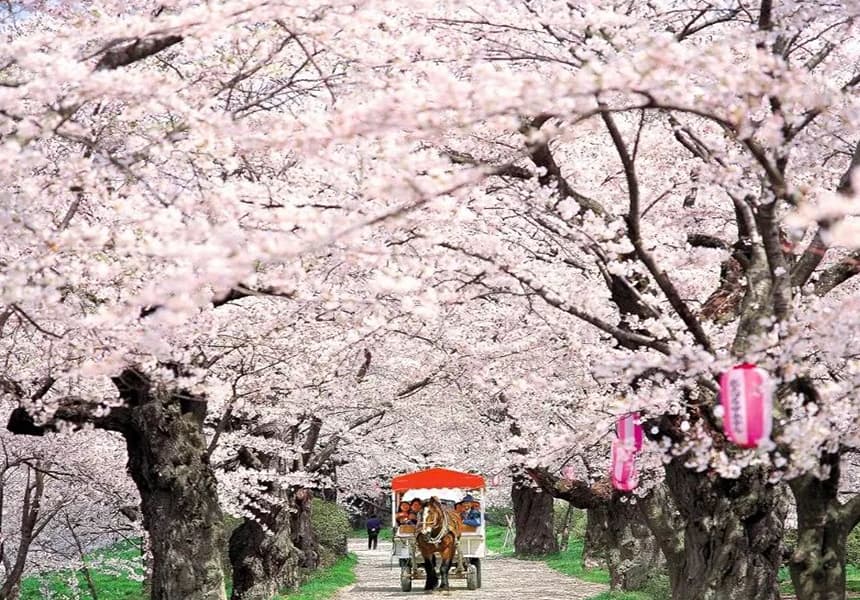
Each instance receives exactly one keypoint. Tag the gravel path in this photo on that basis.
(502, 579)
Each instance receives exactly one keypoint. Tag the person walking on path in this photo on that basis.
(373, 527)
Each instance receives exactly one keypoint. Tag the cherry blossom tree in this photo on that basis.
(662, 188)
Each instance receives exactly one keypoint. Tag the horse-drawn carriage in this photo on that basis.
(437, 536)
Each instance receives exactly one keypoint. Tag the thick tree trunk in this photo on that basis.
(168, 462)
(732, 535)
(302, 532)
(633, 554)
(596, 538)
(618, 532)
(533, 514)
(817, 564)
(264, 562)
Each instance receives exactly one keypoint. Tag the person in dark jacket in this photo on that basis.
(373, 527)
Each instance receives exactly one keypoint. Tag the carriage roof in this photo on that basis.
(436, 479)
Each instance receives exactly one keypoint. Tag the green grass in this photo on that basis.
(494, 537)
(113, 570)
(569, 562)
(326, 582)
(114, 583)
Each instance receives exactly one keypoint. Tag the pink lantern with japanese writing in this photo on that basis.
(746, 395)
(629, 431)
(624, 476)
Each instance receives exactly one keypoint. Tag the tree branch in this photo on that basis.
(578, 493)
(139, 49)
(634, 232)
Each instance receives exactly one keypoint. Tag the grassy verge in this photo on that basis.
(495, 537)
(326, 582)
(115, 571)
(569, 562)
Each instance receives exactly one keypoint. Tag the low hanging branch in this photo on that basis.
(579, 493)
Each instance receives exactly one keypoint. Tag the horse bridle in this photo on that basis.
(443, 531)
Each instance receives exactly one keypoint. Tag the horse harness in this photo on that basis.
(443, 531)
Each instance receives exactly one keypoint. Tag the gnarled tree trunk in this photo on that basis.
(264, 562)
(817, 563)
(732, 535)
(617, 532)
(533, 515)
(302, 531)
(632, 552)
(168, 461)
(596, 540)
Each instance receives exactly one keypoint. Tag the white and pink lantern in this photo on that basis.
(746, 395)
(624, 475)
(629, 431)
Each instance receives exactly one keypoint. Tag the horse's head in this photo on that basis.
(431, 516)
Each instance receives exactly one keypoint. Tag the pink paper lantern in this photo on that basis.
(746, 395)
(568, 473)
(629, 431)
(624, 475)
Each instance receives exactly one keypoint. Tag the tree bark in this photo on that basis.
(302, 532)
(817, 564)
(617, 534)
(632, 552)
(533, 515)
(596, 540)
(33, 492)
(732, 535)
(264, 561)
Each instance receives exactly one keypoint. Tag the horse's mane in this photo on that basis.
(455, 522)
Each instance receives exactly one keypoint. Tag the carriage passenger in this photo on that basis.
(415, 511)
(403, 513)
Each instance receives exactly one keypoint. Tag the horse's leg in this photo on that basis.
(447, 554)
(430, 580)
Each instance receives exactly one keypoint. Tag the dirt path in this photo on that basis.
(502, 579)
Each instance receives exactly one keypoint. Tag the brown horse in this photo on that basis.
(439, 531)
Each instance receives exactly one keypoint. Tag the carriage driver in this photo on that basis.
(471, 511)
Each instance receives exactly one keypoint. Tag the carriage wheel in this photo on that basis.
(406, 579)
(477, 563)
(472, 578)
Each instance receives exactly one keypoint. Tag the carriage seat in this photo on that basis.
(469, 528)
(405, 529)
